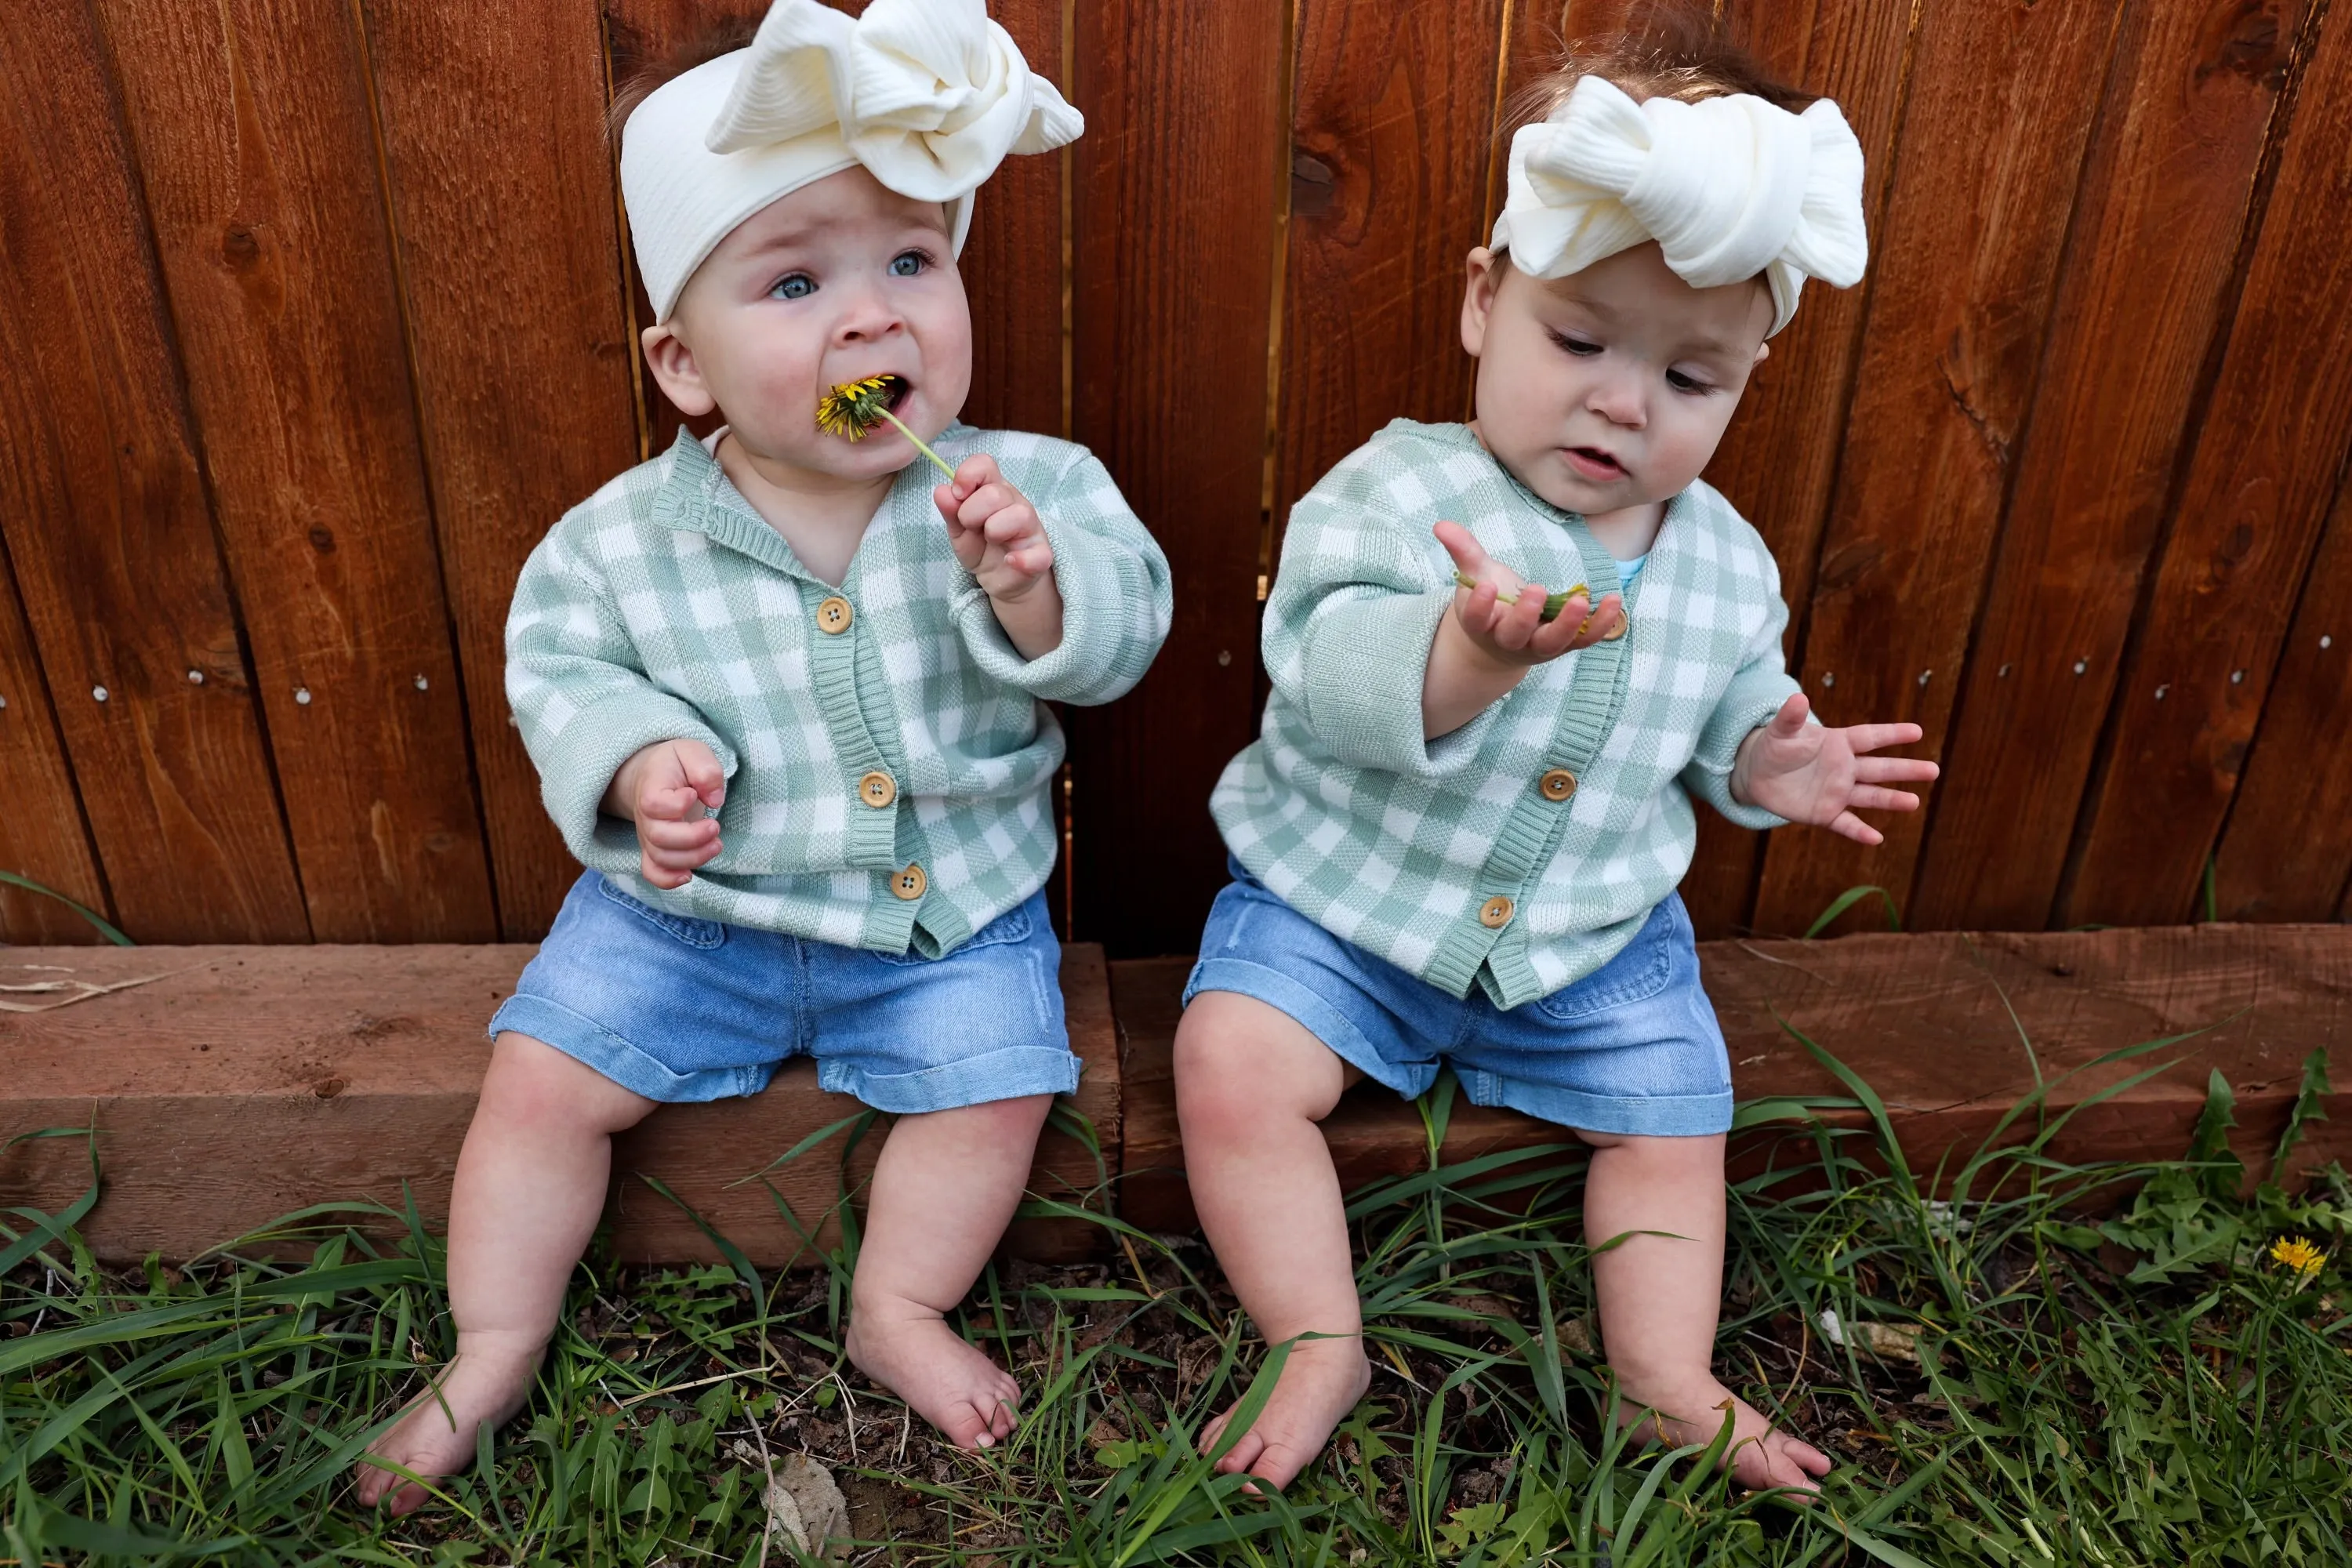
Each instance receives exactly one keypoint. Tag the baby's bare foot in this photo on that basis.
(1762, 1456)
(912, 1352)
(1320, 1384)
(436, 1435)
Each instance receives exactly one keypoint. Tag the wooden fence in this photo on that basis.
(313, 315)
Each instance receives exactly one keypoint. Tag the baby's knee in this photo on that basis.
(1239, 1062)
(531, 1083)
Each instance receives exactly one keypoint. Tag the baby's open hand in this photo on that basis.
(1808, 772)
(994, 530)
(672, 790)
(1517, 632)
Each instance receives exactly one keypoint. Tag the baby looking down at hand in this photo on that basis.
(786, 696)
(1458, 839)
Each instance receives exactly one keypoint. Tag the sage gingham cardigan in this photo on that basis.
(1411, 848)
(865, 729)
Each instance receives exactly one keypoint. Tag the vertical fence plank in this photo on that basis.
(252, 123)
(2166, 194)
(104, 513)
(520, 335)
(1777, 461)
(2286, 854)
(2266, 466)
(1392, 116)
(1967, 260)
(41, 834)
(1011, 261)
(1174, 213)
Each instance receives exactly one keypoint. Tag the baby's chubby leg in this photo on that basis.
(1251, 1084)
(529, 1187)
(943, 1192)
(1660, 1296)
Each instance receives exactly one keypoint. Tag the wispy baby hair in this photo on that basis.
(1665, 51)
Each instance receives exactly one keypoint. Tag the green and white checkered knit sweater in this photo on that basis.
(1449, 857)
(664, 608)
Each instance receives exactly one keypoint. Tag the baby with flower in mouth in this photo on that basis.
(1457, 840)
(786, 696)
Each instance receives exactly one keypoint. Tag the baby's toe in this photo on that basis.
(1242, 1456)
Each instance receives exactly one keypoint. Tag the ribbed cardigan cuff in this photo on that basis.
(1750, 701)
(1107, 615)
(576, 767)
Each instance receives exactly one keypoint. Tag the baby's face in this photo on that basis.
(1610, 388)
(837, 281)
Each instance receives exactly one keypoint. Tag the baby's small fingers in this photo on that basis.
(1572, 629)
(1875, 737)
(988, 502)
(1018, 520)
(678, 836)
(1459, 543)
(1869, 797)
(1896, 770)
(1848, 825)
(975, 472)
(674, 802)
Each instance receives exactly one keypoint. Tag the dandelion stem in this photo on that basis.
(920, 444)
(1553, 603)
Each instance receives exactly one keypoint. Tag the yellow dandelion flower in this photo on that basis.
(855, 407)
(2298, 1255)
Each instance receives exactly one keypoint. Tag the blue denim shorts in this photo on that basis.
(1633, 1048)
(681, 1009)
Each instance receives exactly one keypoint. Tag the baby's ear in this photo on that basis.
(1481, 272)
(1763, 350)
(675, 369)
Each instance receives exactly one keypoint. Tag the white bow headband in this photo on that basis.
(1729, 187)
(929, 95)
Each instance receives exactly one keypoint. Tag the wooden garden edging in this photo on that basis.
(232, 1085)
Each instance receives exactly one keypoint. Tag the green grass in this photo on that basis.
(2147, 1388)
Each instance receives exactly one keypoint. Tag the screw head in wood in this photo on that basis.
(302, 695)
(97, 693)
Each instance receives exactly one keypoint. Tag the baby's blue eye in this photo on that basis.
(1682, 383)
(910, 265)
(796, 286)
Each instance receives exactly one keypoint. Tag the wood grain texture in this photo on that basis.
(1925, 1019)
(1012, 261)
(1391, 121)
(2166, 196)
(41, 833)
(2286, 854)
(519, 333)
(1966, 263)
(1174, 210)
(2265, 469)
(102, 503)
(243, 1083)
(252, 128)
(1780, 456)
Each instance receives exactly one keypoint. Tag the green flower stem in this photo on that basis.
(1553, 603)
(920, 444)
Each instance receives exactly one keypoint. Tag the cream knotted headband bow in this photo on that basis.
(1729, 187)
(929, 95)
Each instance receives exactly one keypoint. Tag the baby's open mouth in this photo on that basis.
(1593, 457)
